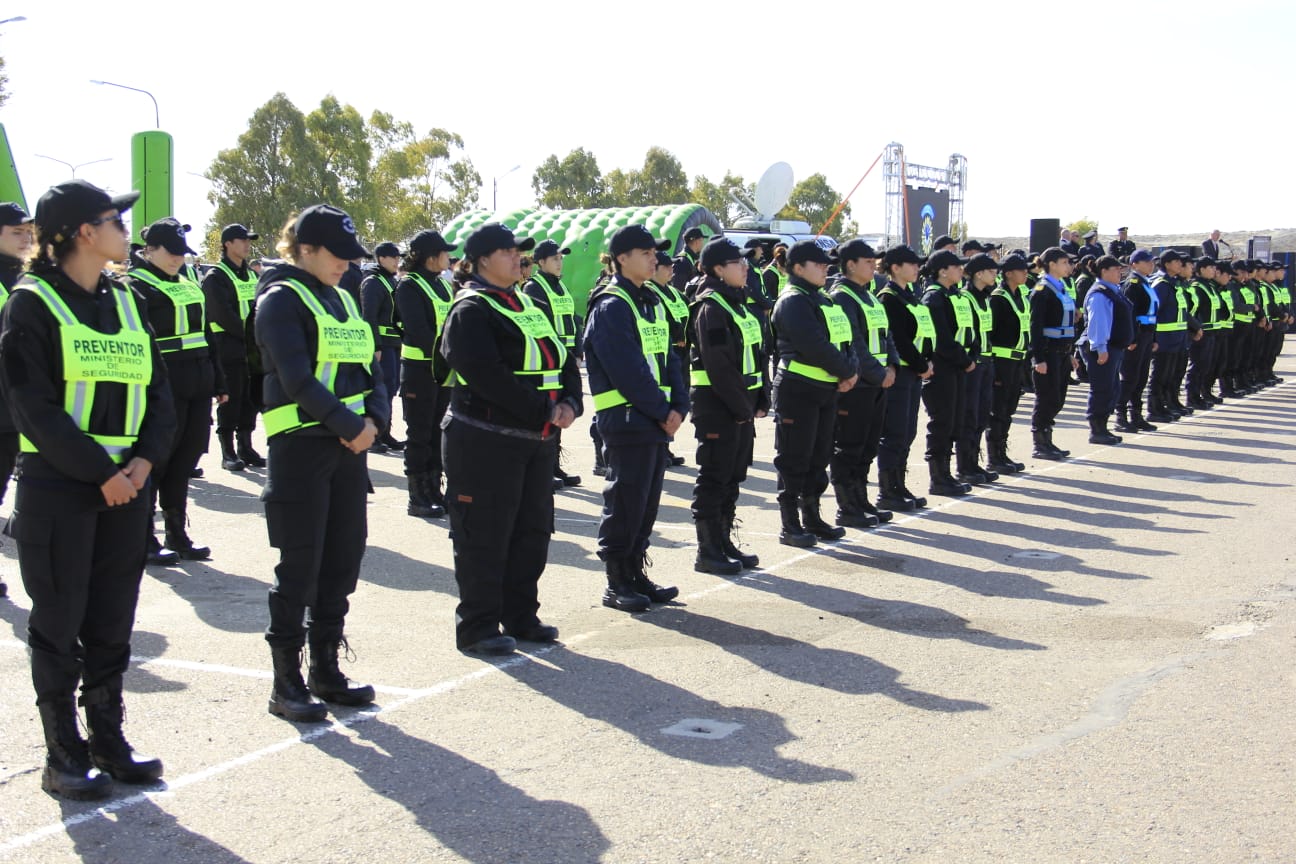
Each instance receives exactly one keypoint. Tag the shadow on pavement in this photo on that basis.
(139, 679)
(141, 833)
(226, 601)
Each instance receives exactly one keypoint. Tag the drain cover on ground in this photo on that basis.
(1036, 555)
(694, 728)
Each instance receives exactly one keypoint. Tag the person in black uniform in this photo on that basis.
(1109, 331)
(15, 246)
(1052, 342)
(915, 340)
(81, 510)
(1009, 338)
(677, 317)
(423, 301)
(1137, 362)
(1171, 339)
(515, 386)
(176, 309)
(862, 410)
(378, 306)
(1222, 334)
(979, 274)
(230, 289)
(816, 362)
(641, 399)
(1092, 247)
(1122, 247)
(685, 265)
(1204, 305)
(325, 402)
(945, 393)
(728, 394)
(549, 292)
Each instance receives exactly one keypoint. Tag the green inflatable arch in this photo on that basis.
(587, 232)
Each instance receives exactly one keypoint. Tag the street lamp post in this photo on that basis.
(157, 116)
(71, 167)
(495, 186)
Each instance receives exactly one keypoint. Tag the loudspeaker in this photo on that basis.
(1044, 233)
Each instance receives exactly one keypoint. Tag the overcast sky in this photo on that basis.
(1171, 117)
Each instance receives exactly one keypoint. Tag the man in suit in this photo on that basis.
(1211, 246)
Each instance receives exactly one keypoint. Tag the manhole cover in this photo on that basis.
(1036, 555)
(695, 728)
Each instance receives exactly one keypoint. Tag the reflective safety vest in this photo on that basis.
(654, 342)
(390, 330)
(183, 294)
(563, 307)
(4, 293)
(1154, 302)
(1069, 284)
(349, 340)
(92, 358)
(1022, 312)
(1211, 316)
(985, 319)
(534, 325)
(749, 327)
(244, 289)
(676, 305)
(440, 298)
(1066, 329)
(782, 277)
(839, 333)
(1181, 312)
(964, 318)
(875, 319)
(1245, 314)
(925, 333)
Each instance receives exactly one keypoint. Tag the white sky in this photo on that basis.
(1127, 112)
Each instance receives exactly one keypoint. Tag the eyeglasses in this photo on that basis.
(109, 220)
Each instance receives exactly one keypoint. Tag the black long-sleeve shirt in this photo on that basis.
(419, 325)
(871, 372)
(716, 346)
(948, 349)
(1046, 311)
(898, 299)
(378, 308)
(223, 310)
(31, 374)
(802, 332)
(194, 373)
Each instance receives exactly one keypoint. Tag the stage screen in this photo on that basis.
(927, 217)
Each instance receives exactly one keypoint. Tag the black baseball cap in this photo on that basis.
(855, 250)
(491, 238)
(548, 249)
(1051, 254)
(386, 249)
(978, 263)
(942, 259)
(1173, 255)
(1014, 262)
(237, 232)
(943, 241)
(972, 246)
(694, 233)
(1205, 261)
(632, 237)
(425, 244)
(327, 226)
(68, 206)
(1242, 265)
(168, 233)
(719, 251)
(806, 251)
(900, 255)
(12, 214)
(663, 260)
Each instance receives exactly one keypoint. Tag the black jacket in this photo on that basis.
(195, 373)
(378, 307)
(897, 299)
(231, 343)
(11, 270)
(948, 349)
(1046, 311)
(802, 334)
(683, 268)
(286, 335)
(1121, 248)
(871, 372)
(419, 324)
(716, 347)
(1005, 332)
(31, 374)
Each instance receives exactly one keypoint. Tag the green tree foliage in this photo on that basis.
(572, 183)
(1083, 226)
(813, 201)
(715, 196)
(340, 156)
(417, 181)
(661, 180)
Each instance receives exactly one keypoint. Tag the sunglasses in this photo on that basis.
(109, 220)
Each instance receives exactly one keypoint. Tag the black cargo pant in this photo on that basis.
(979, 404)
(804, 412)
(724, 452)
(861, 414)
(315, 498)
(1006, 396)
(193, 433)
(900, 424)
(945, 398)
(1050, 388)
(423, 402)
(499, 495)
(1136, 365)
(239, 413)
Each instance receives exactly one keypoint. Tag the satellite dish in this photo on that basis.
(774, 189)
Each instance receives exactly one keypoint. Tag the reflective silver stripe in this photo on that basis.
(326, 374)
(116, 451)
(135, 397)
(52, 300)
(82, 396)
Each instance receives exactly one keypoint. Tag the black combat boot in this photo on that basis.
(177, 537)
(1123, 420)
(969, 472)
(158, 555)
(850, 510)
(1100, 434)
(246, 453)
(862, 498)
(69, 772)
(327, 681)
(420, 498)
(793, 534)
(620, 593)
(1137, 421)
(999, 460)
(942, 482)
(109, 750)
(891, 495)
(1044, 448)
(730, 547)
(289, 697)
(814, 523)
(229, 456)
(637, 572)
(711, 557)
(918, 500)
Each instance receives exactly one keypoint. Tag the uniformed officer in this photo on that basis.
(1009, 338)
(685, 265)
(230, 289)
(378, 307)
(945, 393)
(1052, 340)
(1136, 364)
(1205, 306)
(1091, 246)
(915, 340)
(553, 297)
(325, 404)
(728, 394)
(93, 423)
(677, 315)
(979, 276)
(516, 385)
(1242, 301)
(862, 410)
(1122, 247)
(15, 246)
(176, 310)
(1171, 339)
(1109, 331)
(641, 400)
(423, 301)
(774, 278)
(1223, 333)
(816, 362)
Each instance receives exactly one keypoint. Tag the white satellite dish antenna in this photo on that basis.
(774, 190)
